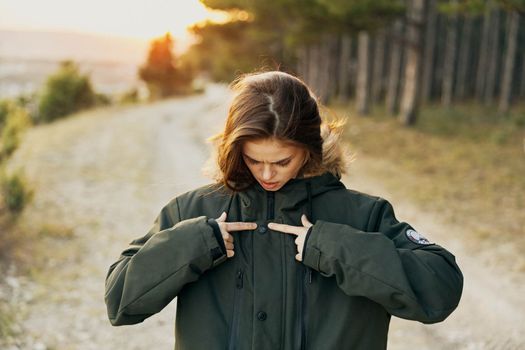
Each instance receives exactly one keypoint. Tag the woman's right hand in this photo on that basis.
(227, 227)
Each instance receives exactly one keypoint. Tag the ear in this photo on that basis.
(306, 159)
(306, 155)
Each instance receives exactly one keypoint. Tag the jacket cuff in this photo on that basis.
(218, 254)
(306, 241)
(311, 253)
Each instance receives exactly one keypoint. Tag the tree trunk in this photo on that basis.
(353, 70)
(327, 68)
(439, 56)
(313, 67)
(492, 69)
(392, 94)
(302, 63)
(450, 60)
(345, 55)
(333, 82)
(324, 70)
(464, 58)
(483, 53)
(320, 65)
(363, 74)
(522, 81)
(508, 69)
(409, 101)
(306, 65)
(377, 71)
(428, 55)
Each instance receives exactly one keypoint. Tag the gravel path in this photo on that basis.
(106, 174)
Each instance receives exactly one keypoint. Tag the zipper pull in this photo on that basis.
(309, 276)
(239, 282)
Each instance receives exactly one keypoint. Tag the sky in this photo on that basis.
(140, 19)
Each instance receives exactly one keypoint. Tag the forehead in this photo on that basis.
(269, 150)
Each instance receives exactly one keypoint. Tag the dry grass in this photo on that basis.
(467, 163)
(28, 248)
(10, 237)
(7, 318)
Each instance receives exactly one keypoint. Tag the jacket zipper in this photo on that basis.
(307, 279)
(270, 205)
(240, 279)
(237, 302)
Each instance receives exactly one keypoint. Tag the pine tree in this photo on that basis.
(162, 75)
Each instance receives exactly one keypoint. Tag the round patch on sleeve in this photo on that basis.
(416, 237)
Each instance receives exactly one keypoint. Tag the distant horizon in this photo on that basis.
(56, 45)
(74, 32)
(142, 20)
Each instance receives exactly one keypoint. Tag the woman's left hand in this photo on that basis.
(299, 231)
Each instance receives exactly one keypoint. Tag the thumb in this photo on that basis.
(305, 221)
(222, 218)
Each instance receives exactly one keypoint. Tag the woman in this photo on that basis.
(278, 254)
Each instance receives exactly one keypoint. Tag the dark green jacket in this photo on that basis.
(360, 266)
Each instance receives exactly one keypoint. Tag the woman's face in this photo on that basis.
(272, 162)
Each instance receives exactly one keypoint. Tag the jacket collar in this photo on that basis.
(296, 192)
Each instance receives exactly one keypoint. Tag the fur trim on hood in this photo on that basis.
(336, 155)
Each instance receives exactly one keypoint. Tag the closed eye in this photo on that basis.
(281, 163)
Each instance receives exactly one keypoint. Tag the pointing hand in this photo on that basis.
(227, 227)
(299, 231)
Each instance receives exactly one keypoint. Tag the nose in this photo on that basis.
(267, 172)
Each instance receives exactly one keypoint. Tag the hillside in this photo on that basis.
(102, 176)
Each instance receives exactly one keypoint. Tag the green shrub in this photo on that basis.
(9, 141)
(102, 99)
(4, 111)
(519, 120)
(15, 191)
(13, 120)
(129, 97)
(65, 92)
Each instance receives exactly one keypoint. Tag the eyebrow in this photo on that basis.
(279, 161)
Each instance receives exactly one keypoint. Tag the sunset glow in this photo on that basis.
(130, 18)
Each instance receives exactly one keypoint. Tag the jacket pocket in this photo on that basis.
(237, 304)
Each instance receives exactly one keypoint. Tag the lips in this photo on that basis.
(269, 185)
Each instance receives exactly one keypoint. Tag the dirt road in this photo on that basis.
(106, 174)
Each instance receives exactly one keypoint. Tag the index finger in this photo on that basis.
(284, 228)
(240, 226)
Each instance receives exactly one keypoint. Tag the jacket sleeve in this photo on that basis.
(392, 265)
(154, 268)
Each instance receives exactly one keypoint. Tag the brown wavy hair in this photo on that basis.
(274, 105)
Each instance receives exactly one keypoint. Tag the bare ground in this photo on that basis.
(106, 174)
